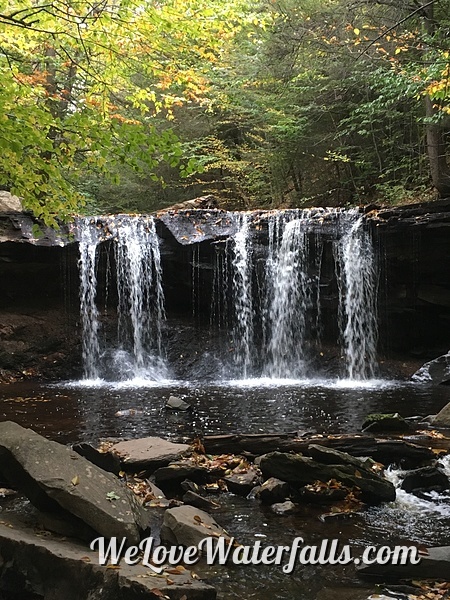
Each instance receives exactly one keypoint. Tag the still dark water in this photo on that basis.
(73, 412)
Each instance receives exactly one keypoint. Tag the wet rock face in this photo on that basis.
(300, 470)
(187, 526)
(56, 479)
(435, 371)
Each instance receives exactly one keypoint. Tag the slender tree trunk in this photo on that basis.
(436, 146)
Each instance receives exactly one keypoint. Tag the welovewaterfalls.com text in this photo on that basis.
(223, 550)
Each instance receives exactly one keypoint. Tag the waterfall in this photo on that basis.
(138, 350)
(289, 294)
(243, 297)
(357, 297)
(140, 296)
(288, 309)
(89, 237)
(266, 283)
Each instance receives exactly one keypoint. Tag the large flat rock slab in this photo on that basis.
(188, 526)
(58, 569)
(148, 453)
(54, 477)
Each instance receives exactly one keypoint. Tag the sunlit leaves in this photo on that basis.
(87, 87)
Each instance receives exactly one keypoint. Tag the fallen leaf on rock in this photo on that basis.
(75, 480)
(114, 567)
(176, 570)
(159, 593)
(112, 496)
(198, 519)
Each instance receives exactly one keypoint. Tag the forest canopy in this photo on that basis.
(132, 106)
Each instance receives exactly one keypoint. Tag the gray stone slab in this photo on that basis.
(148, 453)
(54, 477)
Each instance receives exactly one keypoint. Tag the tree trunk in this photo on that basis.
(436, 146)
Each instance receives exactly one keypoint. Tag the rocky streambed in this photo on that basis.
(310, 487)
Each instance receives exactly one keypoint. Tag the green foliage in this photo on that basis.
(131, 106)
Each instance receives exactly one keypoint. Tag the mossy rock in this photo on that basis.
(386, 422)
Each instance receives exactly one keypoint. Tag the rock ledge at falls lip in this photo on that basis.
(54, 477)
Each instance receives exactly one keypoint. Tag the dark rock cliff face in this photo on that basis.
(39, 306)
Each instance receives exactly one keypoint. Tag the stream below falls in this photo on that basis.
(71, 412)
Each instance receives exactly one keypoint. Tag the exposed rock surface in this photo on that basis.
(194, 499)
(9, 203)
(434, 371)
(148, 453)
(105, 460)
(187, 526)
(193, 226)
(301, 470)
(384, 423)
(272, 490)
(426, 479)
(175, 473)
(54, 477)
(284, 508)
(386, 451)
(242, 483)
(47, 567)
(442, 419)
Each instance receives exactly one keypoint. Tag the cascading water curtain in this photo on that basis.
(290, 298)
(88, 236)
(140, 297)
(243, 333)
(140, 310)
(357, 281)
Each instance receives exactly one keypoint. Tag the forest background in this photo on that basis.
(131, 106)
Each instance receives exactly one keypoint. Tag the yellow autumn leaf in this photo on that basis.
(356, 31)
(75, 480)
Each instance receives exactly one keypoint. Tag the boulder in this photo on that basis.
(434, 565)
(104, 460)
(187, 526)
(148, 453)
(174, 474)
(242, 483)
(385, 423)
(175, 403)
(9, 203)
(56, 478)
(435, 371)
(442, 419)
(426, 479)
(273, 490)
(194, 499)
(329, 456)
(284, 508)
(324, 492)
(37, 566)
(301, 470)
